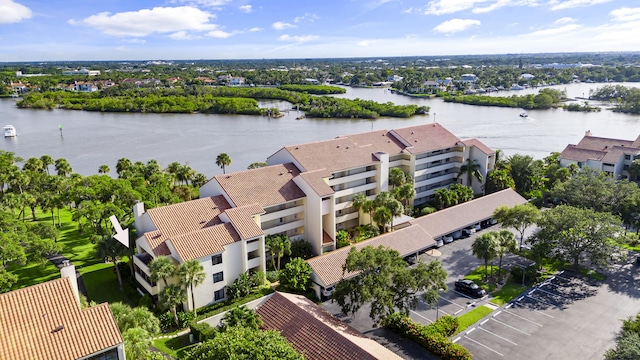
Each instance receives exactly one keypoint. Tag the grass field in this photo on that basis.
(472, 317)
(99, 278)
(174, 347)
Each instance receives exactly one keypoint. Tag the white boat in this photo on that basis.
(516, 87)
(524, 114)
(9, 131)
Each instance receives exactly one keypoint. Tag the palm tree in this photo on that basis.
(161, 267)
(223, 160)
(404, 193)
(104, 169)
(192, 274)
(484, 247)
(123, 166)
(397, 177)
(361, 202)
(472, 169)
(111, 250)
(278, 245)
(382, 216)
(46, 161)
(137, 342)
(506, 243)
(171, 297)
(62, 167)
(241, 316)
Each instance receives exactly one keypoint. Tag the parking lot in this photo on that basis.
(451, 302)
(558, 319)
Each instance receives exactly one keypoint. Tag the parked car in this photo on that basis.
(470, 288)
(468, 231)
(411, 259)
(440, 242)
(477, 227)
(447, 239)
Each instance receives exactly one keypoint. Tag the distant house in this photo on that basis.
(19, 88)
(527, 76)
(610, 155)
(394, 78)
(46, 322)
(84, 86)
(316, 333)
(84, 72)
(236, 81)
(312, 81)
(468, 78)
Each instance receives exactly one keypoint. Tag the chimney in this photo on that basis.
(587, 133)
(138, 211)
(68, 270)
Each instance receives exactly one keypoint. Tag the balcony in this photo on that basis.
(253, 245)
(346, 217)
(350, 178)
(282, 213)
(436, 179)
(357, 189)
(284, 227)
(443, 157)
(254, 263)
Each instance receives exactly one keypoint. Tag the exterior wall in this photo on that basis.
(313, 216)
(291, 213)
(485, 163)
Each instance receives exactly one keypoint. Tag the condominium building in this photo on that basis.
(610, 155)
(306, 193)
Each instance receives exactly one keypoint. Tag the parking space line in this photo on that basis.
(523, 318)
(511, 327)
(444, 298)
(456, 339)
(483, 345)
(498, 336)
(461, 294)
(550, 293)
(421, 316)
(459, 311)
(544, 302)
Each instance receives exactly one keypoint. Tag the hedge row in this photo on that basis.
(433, 337)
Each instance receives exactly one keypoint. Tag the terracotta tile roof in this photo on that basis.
(601, 143)
(242, 219)
(328, 267)
(614, 154)
(428, 137)
(479, 145)
(31, 316)
(181, 218)
(572, 152)
(315, 179)
(266, 186)
(316, 333)
(457, 217)
(208, 241)
(345, 152)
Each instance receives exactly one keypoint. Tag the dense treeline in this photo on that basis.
(545, 99)
(625, 99)
(219, 100)
(314, 89)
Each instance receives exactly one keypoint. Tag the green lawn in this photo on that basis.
(478, 276)
(472, 317)
(174, 347)
(508, 291)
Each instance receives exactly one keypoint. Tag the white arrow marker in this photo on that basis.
(121, 235)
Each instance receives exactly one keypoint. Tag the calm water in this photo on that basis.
(92, 139)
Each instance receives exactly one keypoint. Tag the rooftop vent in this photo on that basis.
(59, 328)
(290, 171)
(412, 133)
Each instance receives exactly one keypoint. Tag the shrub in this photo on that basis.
(433, 337)
(257, 278)
(530, 275)
(301, 249)
(166, 321)
(202, 331)
(146, 301)
(272, 276)
(184, 318)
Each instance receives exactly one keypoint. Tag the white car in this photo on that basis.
(327, 292)
(477, 227)
(447, 239)
(440, 242)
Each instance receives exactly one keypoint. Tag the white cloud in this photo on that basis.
(568, 4)
(12, 12)
(364, 43)
(442, 7)
(246, 8)
(300, 39)
(135, 41)
(204, 3)
(565, 20)
(148, 21)
(555, 31)
(625, 14)
(306, 17)
(456, 25)
(255, 29)
(279, 25)
(183, 35)
(219, 34)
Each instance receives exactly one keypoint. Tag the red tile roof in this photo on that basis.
(242, 219)
(45, 322)
(479, 145)
(428, 137)
(316, 333)
(182, 218)
(267, 186)
(208, 241)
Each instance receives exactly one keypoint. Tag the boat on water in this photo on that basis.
(9, 131)
(516, 87)
(524, 114)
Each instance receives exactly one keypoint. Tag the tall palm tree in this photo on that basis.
(471, 168)
(361, 202)
(397, 177)
(404, 193)
(104, 169)
(192, 274)
(111, 250)
(382, 216)
(137, 342)
(223, 160)
(278, 245)
(46, 161)
(484, 247)
(123, 166)
(161, 267)
(62, 167)
(171, 297)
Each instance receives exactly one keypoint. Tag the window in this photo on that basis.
(216, 259)
(627, 157)
(217, 277)
(218, 295)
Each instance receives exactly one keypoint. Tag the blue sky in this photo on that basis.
(47, 30)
